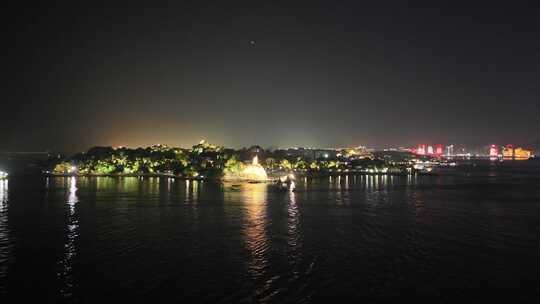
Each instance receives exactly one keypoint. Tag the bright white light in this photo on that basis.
(3, 192)
(254, 172)
(72, 198)
(3, 175)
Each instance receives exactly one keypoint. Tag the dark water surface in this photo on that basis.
(473, 234)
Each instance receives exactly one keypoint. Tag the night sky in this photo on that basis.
(323, 74)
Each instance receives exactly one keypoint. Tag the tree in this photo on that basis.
(285, 164)
(105, 167)
(63, 168)
(233, 166)
(300, 164)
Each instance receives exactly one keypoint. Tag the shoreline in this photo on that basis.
(270, 179)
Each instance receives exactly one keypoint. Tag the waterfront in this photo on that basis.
(473, 232)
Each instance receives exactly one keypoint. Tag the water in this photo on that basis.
(472, 234)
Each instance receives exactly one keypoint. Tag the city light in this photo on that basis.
(430, 150)
(421, 150)
(450, 150)
(493, 151)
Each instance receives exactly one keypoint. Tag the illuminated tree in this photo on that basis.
(233, 166)
(203, 146)
(285, 164)
(332, 164)
(63, 168)
(104, 167)
(300, 164)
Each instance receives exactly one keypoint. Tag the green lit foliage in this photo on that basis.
(104, 167)
(63, 168)
(181, 158)
(204, 147)
(234, 166)
(285, 164)
(332, 164)
(300, 164)
(203, 159)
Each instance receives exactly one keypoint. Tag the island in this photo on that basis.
(209, 161)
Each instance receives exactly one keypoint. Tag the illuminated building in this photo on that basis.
(431, 150)
(520, 153)
(421, 150)
(439, 149)
(450, 150)
(493, 151)
(508, 151)
(359, 152)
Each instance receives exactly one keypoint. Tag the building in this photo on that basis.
(450, 150)
(520, 153)
(509, 152)
(439, 149)
(421, 150)
(359, 152)
(431, 150)
(493, 151)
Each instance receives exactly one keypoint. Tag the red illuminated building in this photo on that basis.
(431, 150)
(421, 150)
(438, 149)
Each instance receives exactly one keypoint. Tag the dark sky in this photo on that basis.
(329, 73)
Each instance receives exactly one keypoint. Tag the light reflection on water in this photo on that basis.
(192, 240)
(5, 242)
(72, 232)
(253, 197)
(294, 238)
(192, 191)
